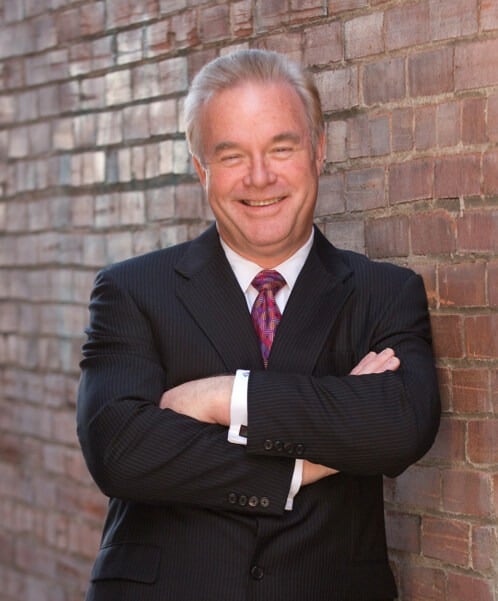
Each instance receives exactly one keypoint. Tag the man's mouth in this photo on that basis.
(262, 203)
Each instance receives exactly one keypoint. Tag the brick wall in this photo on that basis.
(94, 169)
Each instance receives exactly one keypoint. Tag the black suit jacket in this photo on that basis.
(194, 517)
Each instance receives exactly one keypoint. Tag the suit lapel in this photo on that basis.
(209, 290)
(321, 290)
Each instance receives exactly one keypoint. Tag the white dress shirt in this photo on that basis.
(245, 271)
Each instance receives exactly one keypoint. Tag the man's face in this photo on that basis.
(259, 170)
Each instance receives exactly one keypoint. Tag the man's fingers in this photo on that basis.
(376, 363)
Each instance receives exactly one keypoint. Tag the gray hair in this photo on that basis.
(260, 66)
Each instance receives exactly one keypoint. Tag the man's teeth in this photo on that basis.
(262, 203)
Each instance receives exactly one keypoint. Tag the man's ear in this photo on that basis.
(201, 171)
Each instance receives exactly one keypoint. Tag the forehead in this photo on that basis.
(253, 110)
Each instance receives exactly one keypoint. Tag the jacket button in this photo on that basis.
(279, 445)
(257, 573)
(264, 502)
(242, 500)
(268, 445)
(299, 449)
(253, 501)
(232, 498)
(289, 447)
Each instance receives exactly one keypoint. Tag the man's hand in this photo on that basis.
(376, 363)
(372, 363)
(206, 400)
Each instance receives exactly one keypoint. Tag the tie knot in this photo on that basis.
(268, 279)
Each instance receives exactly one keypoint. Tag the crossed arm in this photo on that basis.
(208, 400)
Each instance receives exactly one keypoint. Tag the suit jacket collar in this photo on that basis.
(209, 290)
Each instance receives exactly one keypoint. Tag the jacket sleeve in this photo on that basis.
(364, 425)
(138, 452)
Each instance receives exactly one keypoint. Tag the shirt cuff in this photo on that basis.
(237, 433)
(297, 478)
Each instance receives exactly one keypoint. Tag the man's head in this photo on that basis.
(258, 66)
(255, 130)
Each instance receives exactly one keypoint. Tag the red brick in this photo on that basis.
(68, 25)
(92, 18)
(387, 237)
(450, 441)
(403, 532)
(323, 44)
(446, 540)
(478, 231)
(462, 284)
(363, 35)
(125, 12)
(481, 334)
(489, 15)
(474, 121)
(289, 44)
(338, 89)
(432, 233)
(159, 38)
(302, 10)
(431, 72)
(185, 29)
(448, 123)
(457, 176)
(402, 129)
(447, 333)
(466, 492)
(482, 445)
(490, 173)
(365, 189)
(347, 234)
(470, 390)
(330, 195)
(484, 547)
(476, 65)
(461, 587)
(422, 583)
(271, 14)
(338, 6)
(419, 486)
(412, 180)
(384, 81)
(493, 283)
(492, 126)
(453, 18)
(241, 18)
(215, 23)
(425, 127)
(407, 25)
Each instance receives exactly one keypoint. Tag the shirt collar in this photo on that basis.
(246, 270)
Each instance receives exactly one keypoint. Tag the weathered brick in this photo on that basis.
(407, 25)
(453, 18)
(449, 123)
(466, 492)
(158, 36)
(363, 35)
(450, 441)
(384, 81)
(338, 89)
(118, 87)
(447, 333)
(474, 121)
(330, 195)
(462, 587)
(492, 281)
(457, 176)
(125, 12)
(446, 540)
(129, 46)
(484, 547)
(92, 18)
(421, 583)
(241, 18)
(403, 532)
(387, 237)
(489, 15)
(323, 44)
(402, 129)
(271, 14)
(365, 189)
(348, 234)
(463, 284)
(215, 23)
(422, 483)
(478, 231)
(425, 127)
(476, 65)
(431, 72)
(184, 27)
(337, 141)
(338, 6)
(412, 180)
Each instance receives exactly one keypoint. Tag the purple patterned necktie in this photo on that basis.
(265, 312)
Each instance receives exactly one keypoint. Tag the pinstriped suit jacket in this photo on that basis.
(193, 517)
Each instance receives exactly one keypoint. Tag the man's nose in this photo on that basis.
(259, 173)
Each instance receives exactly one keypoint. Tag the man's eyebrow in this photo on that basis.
(285, 136)
(225, 145)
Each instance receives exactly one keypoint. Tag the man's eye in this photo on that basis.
(231, 159)
(282, 151)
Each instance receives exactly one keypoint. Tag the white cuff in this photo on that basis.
(297, 478)
(237, 433)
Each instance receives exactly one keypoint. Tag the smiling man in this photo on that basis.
(243, 394)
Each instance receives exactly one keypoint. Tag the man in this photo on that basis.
(237, 468)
